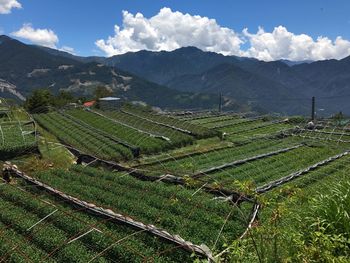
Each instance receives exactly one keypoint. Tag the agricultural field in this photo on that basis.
(37, 227)
(334, 134)
(149, 141)
(157, 187)
(316, 180)
(83, 138)
(265, 170)
(17, 133)
(175, 138)
(202, 160)
(166, 206)
(171, 122)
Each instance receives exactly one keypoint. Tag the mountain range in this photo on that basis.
(24, 68)
(184, 78)
(278, 86)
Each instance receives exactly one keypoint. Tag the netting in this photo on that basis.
(17, 132)
(189, 188)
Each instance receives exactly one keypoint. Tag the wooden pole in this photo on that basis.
(313, 109)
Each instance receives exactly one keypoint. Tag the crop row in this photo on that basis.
(269, 169)
(196, 163)
(195, 115)
(44, 230)
(195, 217)
(200, 147)
(316, 180)
(227, 122)
(323, 135)
(239, 127)
(15, 138)
(147, 143)
(259, 132)
(85, 140)
(177, 138)
(214, 119)
(299, 194)
(176, 124)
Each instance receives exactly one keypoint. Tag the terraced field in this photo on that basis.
(172, 208)
(175, 138)
(318, 180)
(146, 142)
(17, 136)
(36, 227)
(176, 186)
(201, 161)
(170, 122)
(82, 138)
(271, 168)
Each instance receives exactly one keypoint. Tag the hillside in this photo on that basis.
(244, 86)
(28, 67)
(166, 184)
(182, 68)
(180, 75)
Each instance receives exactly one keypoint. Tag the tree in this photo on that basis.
(39, 100)
(102, 91)
(62, 99)
(338, 117)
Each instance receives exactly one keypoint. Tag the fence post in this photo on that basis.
(313, 109)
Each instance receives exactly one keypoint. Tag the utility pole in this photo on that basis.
(220, 103)
(313, 109)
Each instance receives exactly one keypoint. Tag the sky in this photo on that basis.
(268, 30)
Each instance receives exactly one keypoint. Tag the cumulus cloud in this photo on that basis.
(282, 44)
(43, 37)
(7, 5)
(170, 30)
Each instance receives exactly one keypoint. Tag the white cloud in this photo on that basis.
(43, 37)
(170, 30)
(7, 5)
(282, 44)
(67, 49)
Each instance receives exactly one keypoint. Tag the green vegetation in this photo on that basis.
(41, 100)
(306, 220)
(86, 140)
(199, 161)
(186, 127)
(177, 138)
(147, 143)
(301, 220)
(52, 240)
(17, 133)
(262, 171)
(195, 217)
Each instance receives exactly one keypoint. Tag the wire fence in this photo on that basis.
(208, 183)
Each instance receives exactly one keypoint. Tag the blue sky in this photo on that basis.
(79, 24)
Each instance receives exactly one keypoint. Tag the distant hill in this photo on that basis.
(163, 66)
(278, 86)
(293, 63)
(235, 82)
(286, 83)
(28, 67)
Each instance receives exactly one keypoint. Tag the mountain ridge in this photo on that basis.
(275, 86)
(28, 67)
